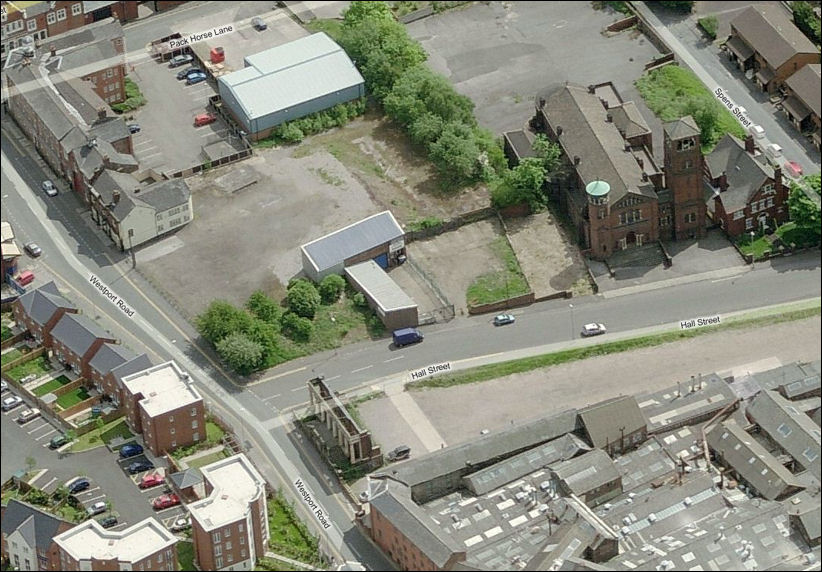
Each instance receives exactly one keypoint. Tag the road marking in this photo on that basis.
(145, 157)
(298, 388)
(362, 368)
(330, 378)
(94, 500)
(48, 483)
(45, 434)
(272, 397)
(278, 375)
(394, 359)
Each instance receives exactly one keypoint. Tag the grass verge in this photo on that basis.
(330, 26)
(101, 435)
(289, 535)
(496, 370)
(37, 366)
(500, 285)
(207, 459)
(185, 555)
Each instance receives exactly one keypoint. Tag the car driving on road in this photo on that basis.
(593, 330)
(33, 249)
(49, 188)
(503, 319)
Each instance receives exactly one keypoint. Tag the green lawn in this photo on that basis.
(73, 397)
(331, 27)
(289, 535)
(185, 555)
(50, 386)
(134, 98)
(97, 437)
(214, 433)
(758, 247)
(668, 90)
(10, 356)
(502, 284)
(38, 366)
(5, 333)
(208, 459)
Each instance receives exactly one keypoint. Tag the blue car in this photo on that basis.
(196, 78)
(78, 486)
(130, 450)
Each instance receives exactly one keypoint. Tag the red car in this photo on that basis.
(149, 481)
(166, 501)
(204, 119)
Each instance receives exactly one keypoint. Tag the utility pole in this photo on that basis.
(131, 248)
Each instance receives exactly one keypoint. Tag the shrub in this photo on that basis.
(295, 327)
(290, 133)
(303, 299)
(710, 24)
(359, 300)
(241, 353)
(264, 307)
(220, 319)
(331, 288)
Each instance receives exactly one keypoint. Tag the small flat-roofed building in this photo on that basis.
(752, 463)
(162, 403)
(379, 238)
(518, 145)
(593, 477)
(75, 340)
(615, 425)
(230, 526)
(38, 311)
(395, 308)
(288, 82)
(789, 427)
(146, 545)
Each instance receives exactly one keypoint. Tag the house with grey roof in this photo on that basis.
(615, 425)
(408, 535)
(751, 462)
(28, 536)
(743, 192)
(593, 477)
(765, 39)
(788, 427)
(106, 359)
(802, 101)
(75, 340)
(379, 238)
(289, 81)
(132, 214)
(38, 311)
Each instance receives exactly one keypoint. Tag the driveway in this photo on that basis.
(500, 54)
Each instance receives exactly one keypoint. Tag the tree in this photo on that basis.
(290, 133)
(426, 129)
(220, 319)
(419, 90)
(522, 184)
(706, 115)
(263, 307)
(295, 327)
(804, 211)
(362, 12)
(31, 462)
(331, 288)
(551, 155)
(303, 299)
(240, 353)
(456, 154)
(684, 6)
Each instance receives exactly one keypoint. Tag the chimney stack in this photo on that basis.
(101, 113)
(750, 147)
(609, 118)
(559, 130)
(53, 50)
(577, 160)
(115, 197)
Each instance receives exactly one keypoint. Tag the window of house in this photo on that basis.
(228, 546)
(242, 553)
(754, 206)
(739, 214)
(160, 228)
(623, 218)
(173, 444)
(216, 538)
(76, 9)
(15, 26)
(61, 14)
(31, 25)
(175, 222)
(171, 418)
(160, 558)
(109, 73)
(768, 189)
(748, 223)
(218, 549)
(684, 144)
(242, 538)
(689, 164)
(3, 15)
(218, 562)
(769, 202)
(171, 430)
(196, 436)
(194, 424)
(690, 217)
(51, 18)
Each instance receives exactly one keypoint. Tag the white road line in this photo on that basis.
(394, 359)
(48, 483)
(298, 388)
(362, 368)
(93, 500)
(145, 157)
(330, 378)
(272, 397)
(46, 434)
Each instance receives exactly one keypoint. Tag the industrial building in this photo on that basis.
(394, 307)
(288, 82)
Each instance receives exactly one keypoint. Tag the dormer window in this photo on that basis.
(684, 144)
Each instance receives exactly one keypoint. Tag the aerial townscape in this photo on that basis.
(411, 285)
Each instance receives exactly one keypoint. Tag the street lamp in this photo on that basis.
(753, 254)
(573, 328)
(131, 248)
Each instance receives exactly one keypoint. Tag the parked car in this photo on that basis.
(108, 522)
(79, 485)
(58, 441)
(407, 336)
(33, 249)
(151, 480)
(139, 467)
(196, 78)
(258, 24)
(133, 128)
(165, 501)
(183, 74)
(97, 508)
(3, 386)
(25, 277)
(130, 450)
(180, 60)
(503, 319)
(11, 402)
(757, 131)
(182, 523)
(593, 330)
(49, 188)
(400, 453)
(27, 415)
(204, 119)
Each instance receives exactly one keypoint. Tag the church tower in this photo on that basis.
(683, 178)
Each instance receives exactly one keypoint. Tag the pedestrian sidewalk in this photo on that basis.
(712, 275)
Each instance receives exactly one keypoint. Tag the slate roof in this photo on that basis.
(38, 527)
(415, 524)
(108, 29)
(628, 119)
(587, 472)
(165, 195)
(78, 333)
(664, 409)
(770, 32)
(111, 129)
(744, 173)
(110, 356)
(587, 134)
(108, 182)
(79, 95)
(40, 304)
(807, 85)
(751, 461)
(488, 448)
(187, 478)
(333, 249)
(682, 127)
(43, 101)
(794, 431)
(608, 421)
(134, 365)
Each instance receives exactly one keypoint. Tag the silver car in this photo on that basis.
(593, 330)
(49, 188)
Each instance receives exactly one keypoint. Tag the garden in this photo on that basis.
(503, 284)
(103, 434)
(50, 386)
(37, 367)
(289, 535)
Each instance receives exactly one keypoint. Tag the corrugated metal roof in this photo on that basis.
(334, 248)
(284, 76)
(587, 472)
(385, 292)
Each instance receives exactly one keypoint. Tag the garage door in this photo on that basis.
(382, 260)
